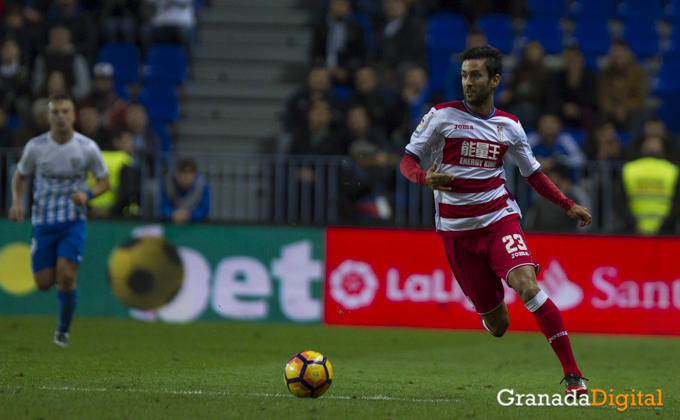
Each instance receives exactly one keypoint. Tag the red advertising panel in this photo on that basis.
(620, 285)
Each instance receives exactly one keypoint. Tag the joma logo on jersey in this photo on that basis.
(478, 153)
(463, 127)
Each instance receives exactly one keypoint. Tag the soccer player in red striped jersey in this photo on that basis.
(476, 216)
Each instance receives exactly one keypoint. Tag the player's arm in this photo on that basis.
(16, 212)
(25, 167)
(423, 138)
(521, 153)
(100, 172)
(544, 186)
(100, 187)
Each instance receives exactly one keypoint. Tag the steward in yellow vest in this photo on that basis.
(120, 164)
(650, 183)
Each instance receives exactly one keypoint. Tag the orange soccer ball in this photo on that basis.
(308, 374)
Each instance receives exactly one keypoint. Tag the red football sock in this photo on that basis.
(549, 320)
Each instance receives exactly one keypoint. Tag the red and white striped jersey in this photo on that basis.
(471, 148)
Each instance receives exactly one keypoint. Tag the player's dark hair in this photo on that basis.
(493, 59)
(60, 97)
(186, 165)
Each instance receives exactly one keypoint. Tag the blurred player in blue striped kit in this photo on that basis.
(59, 161)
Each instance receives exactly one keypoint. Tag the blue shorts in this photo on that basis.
(65, 240)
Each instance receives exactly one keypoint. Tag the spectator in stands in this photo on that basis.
(651, 188)
(119, 20)
(145, 140)
(12, 27)
(525, 92)
(377, 100)
(414, 101)
(111, 107)
(360, 128)
(37, 125)
(90, 124)
(185, 195)
(540, 217)
(401, 41)
(61, 55)
(339, 43)
(172, 21)
(572, 92)
(605, 144)
(622, 87)
(5, 141)
(366, 184)
(69, 14)
(34, 16)
(14, 80)
(453, 86)
(656, 128)
(318, 88)
(318, 138)
(6, 132)
(551, 145)
(54, 85)
(122, 198)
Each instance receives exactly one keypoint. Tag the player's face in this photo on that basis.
(477, 86)
(61, 116)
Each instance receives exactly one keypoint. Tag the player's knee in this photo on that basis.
(43, 286)
(67, 281)
(524, 283)
(43, 282)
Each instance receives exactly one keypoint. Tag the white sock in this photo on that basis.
(536, 302)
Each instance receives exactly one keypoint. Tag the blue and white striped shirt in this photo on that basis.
(59, 170)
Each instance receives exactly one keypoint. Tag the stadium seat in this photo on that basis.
(367, 24)
(554, 9)
(642, 38)
(626, 138)
(592, 37)
(673, 46)
(125, 61)
(445, 37)
(592, 9)
(160, 127)
(630, 10)
(161, 102)
(165, 64)
(446, 30)
(672, 10)
(121, 89)
(667, 83)
(547, 31)
(668, 112)
(498, 30)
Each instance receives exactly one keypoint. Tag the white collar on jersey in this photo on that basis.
(477, 115)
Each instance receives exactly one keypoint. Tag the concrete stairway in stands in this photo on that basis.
(251, 56)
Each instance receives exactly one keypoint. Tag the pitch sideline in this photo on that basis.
(199, 392)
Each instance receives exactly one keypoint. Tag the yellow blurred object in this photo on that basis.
(16, 277)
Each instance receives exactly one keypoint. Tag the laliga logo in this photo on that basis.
(562, 291)
(353, 284)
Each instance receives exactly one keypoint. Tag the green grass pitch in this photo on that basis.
(119, 369)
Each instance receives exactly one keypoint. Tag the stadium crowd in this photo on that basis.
(74, 47)
(378, 66)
